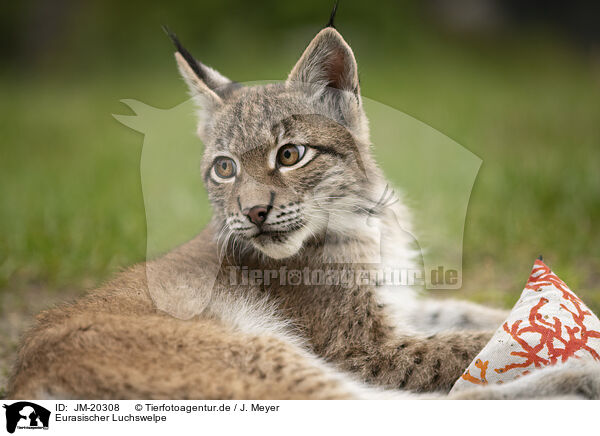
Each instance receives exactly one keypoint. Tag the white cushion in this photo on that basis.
(549, 324)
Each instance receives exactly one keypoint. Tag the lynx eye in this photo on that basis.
(224, 167)
(290, 154)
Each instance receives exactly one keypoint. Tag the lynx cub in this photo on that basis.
(293, 186)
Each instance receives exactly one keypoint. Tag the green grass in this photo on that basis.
(70, 192)
(71, 205)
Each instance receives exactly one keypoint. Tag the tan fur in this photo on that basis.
(114, 343)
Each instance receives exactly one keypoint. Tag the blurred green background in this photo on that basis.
(516, 83)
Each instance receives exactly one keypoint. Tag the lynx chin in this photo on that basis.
(293, 184)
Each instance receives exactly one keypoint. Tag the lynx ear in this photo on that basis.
(327, 61)
(206, 85)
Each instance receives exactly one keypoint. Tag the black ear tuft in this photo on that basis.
(191, 61)
(330, 23)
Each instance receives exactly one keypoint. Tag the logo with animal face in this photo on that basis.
(288, 165)
(26, 415)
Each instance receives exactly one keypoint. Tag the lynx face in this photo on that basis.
(286, 162)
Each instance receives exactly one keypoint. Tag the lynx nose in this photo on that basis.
(257, 214)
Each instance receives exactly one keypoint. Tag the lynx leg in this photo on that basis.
(446, 315)
(154, 356)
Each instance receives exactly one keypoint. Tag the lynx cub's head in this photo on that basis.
(285, 163)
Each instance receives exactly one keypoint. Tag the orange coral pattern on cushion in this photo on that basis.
(482, 366)
(569, 342)
(549, 324)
